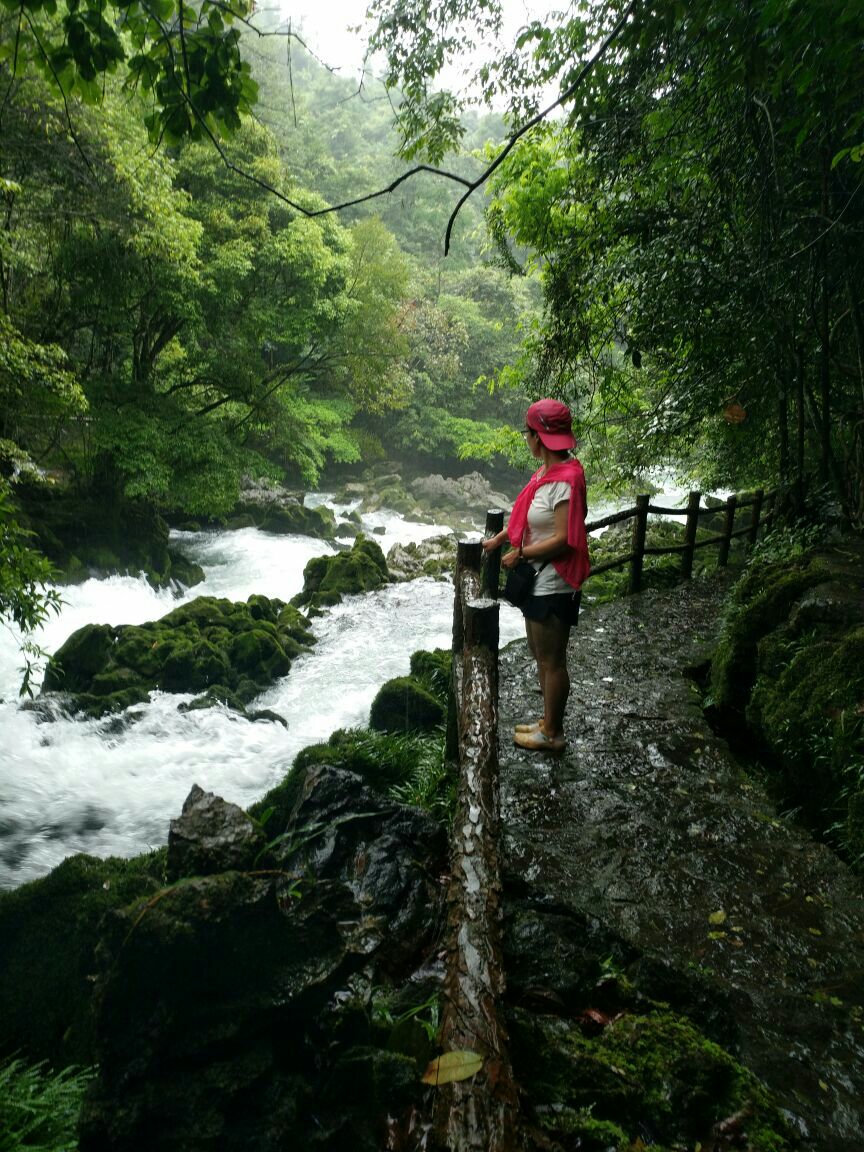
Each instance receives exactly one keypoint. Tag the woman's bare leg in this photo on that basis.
(548, 642)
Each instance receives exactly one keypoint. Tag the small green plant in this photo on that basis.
(430, 784)
(427, 1014)
(39, 1108)
(787, 542)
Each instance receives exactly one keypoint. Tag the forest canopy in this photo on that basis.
(675, 250)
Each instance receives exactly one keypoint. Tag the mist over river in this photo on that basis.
(108, 788)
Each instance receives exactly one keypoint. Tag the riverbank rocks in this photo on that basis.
(49, 930)
(245, 1009)
(790, 672)
(326, 579)
(228, 651)
(269, 507)
(83, 538)
(435, 557)
(460, 503)
(471, 495)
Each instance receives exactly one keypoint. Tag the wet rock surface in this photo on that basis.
(211, 835)
(647, 842)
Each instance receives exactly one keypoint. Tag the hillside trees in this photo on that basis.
(206, 323)
(698, 221)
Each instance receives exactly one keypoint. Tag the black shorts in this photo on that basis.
(564, 605)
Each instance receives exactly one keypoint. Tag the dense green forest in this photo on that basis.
(675, 250)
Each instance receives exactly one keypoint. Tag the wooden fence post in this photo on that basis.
(690, 529)
(467, 560)
(640, 527)
(728, 528)
(755, 514)
(480, 1114)
(491, 564)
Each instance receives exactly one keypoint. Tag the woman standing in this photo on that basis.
(547, 528)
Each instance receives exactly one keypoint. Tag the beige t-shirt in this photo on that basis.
(541, 525)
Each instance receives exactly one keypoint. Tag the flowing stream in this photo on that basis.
(108, 787)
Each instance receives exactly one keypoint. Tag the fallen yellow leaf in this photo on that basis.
(717, 917)
(450, 1066)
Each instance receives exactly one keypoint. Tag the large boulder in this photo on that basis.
(326, 579)
(237, 1010)
(433, 557)
(417, 702)
(471, 494)
(229, 651)
(210, 836)
(267, 505)
(49, 930)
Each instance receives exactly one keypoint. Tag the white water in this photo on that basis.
(100, 787)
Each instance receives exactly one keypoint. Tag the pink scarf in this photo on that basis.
(574, 565)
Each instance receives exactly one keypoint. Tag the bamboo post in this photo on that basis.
(755, 514)
(480, 1114)
(728, 528)
(491, 563)
(640, 527)
(690, 529)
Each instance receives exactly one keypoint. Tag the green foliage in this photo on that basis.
(184, 59)
(24, 572)
(39, 1108)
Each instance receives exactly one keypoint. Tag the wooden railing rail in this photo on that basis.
(763, 513)
(480, 1112)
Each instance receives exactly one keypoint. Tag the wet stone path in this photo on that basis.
(648, 830)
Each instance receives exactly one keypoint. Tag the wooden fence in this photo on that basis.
(763, 510)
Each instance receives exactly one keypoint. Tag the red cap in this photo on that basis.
(552, 422)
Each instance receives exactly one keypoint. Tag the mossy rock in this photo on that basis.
(49, 930)
(403, 704)
(84, 654)
(286, 517)
(810, 717)
(652, 1071)
(326, 579)
(762, 601)
(209, 642)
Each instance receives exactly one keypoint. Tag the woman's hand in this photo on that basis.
(494, 542)
(510, 559)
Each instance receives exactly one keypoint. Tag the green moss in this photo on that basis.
(208, 642)
(761, 601)
(432, 669)
(809, 714)
(404, 704)
(326, 579)
(48, 933)
(655, 1068)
